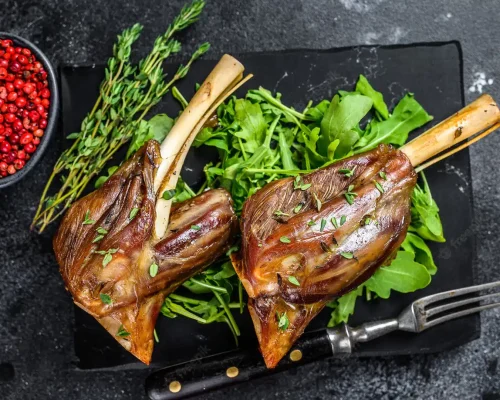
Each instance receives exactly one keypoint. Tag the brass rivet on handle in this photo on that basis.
(296, 355)
(175, 386)
(232, 372)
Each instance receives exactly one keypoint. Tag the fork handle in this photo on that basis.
(344, 337)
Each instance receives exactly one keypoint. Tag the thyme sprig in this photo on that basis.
(126, 95)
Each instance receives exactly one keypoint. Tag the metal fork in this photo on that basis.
(420, 315)
(200, 375)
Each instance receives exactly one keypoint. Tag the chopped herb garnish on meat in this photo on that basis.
(383, 175)
(347, 172)
(283, 321)
(299, 185)
(105, 298)
(98, 238)
(106, 260)
(279, 213)
(293, 280)
(195, 227)
(285, 239)
(335, 223)
(347, 255)
(323, 224)
(350, 195)
(298, 207)
(318, 202)
(88, 220)
(133, 213)
(343, 219)
(107, 256)
(232, 250)
(153, 270)
(122, 332)
(379, 186)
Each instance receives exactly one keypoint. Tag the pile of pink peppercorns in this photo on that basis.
(24, 106)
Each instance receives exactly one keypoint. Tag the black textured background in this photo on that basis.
(36, 342)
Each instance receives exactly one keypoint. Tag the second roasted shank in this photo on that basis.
(307, 241)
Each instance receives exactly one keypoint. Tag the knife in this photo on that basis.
(221, 370)
(202, 375)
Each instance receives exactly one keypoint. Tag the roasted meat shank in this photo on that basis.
(132, 297)
(327, 259)
(348, 225)
(123, 248)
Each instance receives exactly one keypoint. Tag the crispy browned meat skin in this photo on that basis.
(314, 256)
(181, 253)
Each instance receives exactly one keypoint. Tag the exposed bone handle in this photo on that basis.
(174, 148)
(479, 115)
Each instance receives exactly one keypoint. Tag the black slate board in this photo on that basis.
(433, 72)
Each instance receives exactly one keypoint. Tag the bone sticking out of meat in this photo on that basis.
(112, 279)
(222, 81)
(347, 227)
(116, 264)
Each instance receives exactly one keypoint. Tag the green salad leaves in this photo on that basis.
(260, 139)
(208, 297)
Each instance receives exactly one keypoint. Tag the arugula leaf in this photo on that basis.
(425, 214)
(403, 275)
(406, 116)
(156, 128)
(181, 193)
(209, 137)
(343, 307)
(409, 271)
(286, 153)
(364, 87)
(102, 179)
(219, 281)
(226, 271)
(168, 194)
(312, 158)
(160, 126)
(416, 245)
(317, 112)
(252, 124)
(339, 123)
(260, 139)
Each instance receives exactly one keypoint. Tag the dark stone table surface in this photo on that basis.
(36, 343)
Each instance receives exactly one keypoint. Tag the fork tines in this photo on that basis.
(445, 306)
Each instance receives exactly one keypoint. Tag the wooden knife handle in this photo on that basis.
(225, 369)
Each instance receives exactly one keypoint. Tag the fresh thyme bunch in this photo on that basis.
(126, 95)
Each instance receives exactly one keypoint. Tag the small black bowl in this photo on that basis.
(53, 110)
